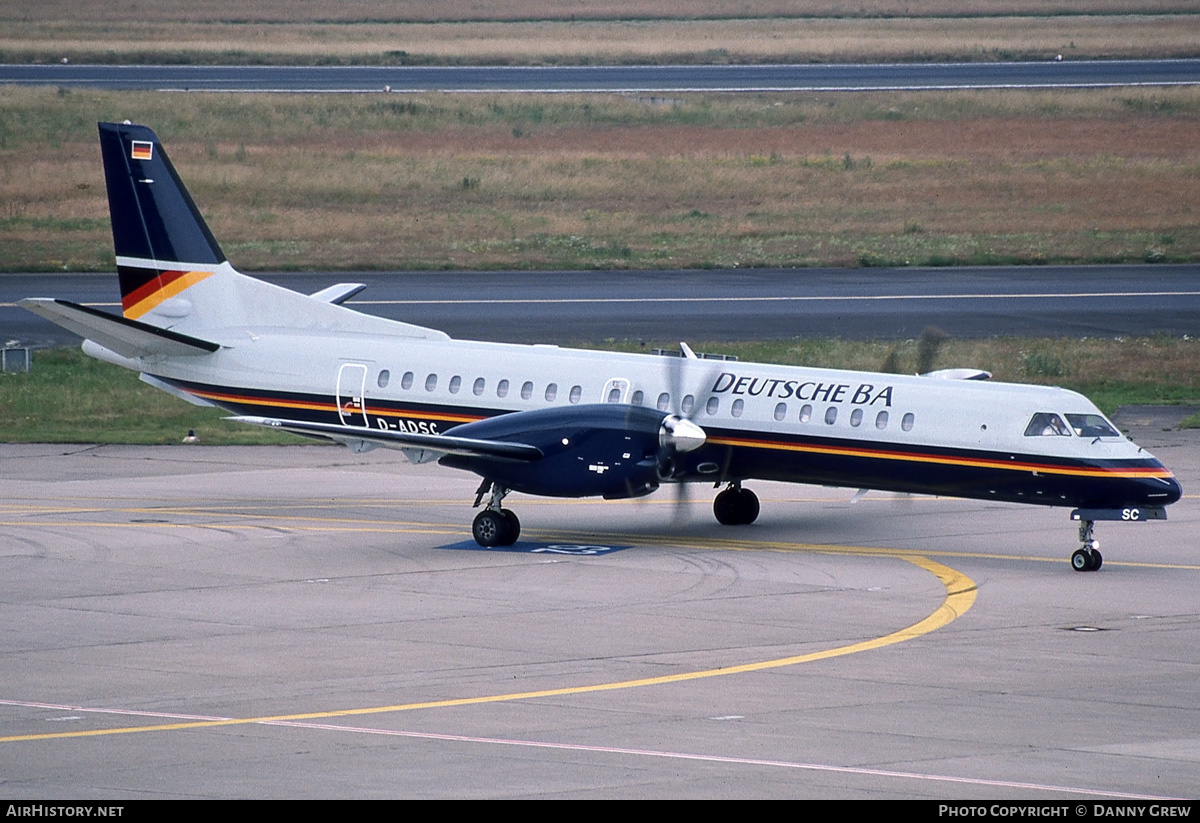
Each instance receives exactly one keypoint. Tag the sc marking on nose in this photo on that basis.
(1131, 514)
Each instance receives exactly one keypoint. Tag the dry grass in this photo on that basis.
(707, 41)
(613, 32)
(346, 11)
(598, 181)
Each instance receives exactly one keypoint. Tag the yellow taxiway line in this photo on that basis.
(960, 596)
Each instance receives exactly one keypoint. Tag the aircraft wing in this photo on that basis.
(128, 338)
(440, 443)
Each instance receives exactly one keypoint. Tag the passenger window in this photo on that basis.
(406, 380)
(431, 382)
(638, 397)
(856, 418)
(614, 394)
(576, 393)
(831, 415)
(502, 388)
(664, 401)
(384, 377)
(780, 411)
(551, 392)
(526, 390)
(881, 420)
(712, 405)
(455, 384)
(805, 413)
(686, 405)
(906, 422)
(477, 389)
(1047, 424)
(738, 406)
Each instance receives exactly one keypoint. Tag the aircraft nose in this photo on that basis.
(1159, 491)
(1174, 491)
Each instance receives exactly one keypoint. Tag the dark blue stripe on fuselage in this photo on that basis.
(884, 466)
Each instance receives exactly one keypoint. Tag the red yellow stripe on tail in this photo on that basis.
(153, 292)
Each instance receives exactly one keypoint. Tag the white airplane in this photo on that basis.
(567, 423)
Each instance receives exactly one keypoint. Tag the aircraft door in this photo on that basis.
(616, 390)
(351, 390)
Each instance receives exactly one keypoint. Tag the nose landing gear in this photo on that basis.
(1088, 558)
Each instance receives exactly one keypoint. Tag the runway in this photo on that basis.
(209, 622)
(809, 77)
(762, 304)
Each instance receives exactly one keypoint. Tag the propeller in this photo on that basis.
(679, 433)
(928, 346)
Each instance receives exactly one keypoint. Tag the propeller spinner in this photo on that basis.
(680, 435)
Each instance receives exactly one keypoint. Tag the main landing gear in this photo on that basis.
(498, 526)
(494, 526)
(1088, 558)
(736, 506)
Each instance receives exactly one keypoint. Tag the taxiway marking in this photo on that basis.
(960, 596)
(621, 750)
(370, 525)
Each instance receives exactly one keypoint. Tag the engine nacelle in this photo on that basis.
(603, 450)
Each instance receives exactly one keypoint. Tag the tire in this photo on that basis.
(725, 507)
(736, 507)
(514, 527)
(490, 529)
(749, 507)
(1080, 561)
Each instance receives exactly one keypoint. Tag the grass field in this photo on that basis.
(592, 31)
(460, 11)
(379, 181)
(611, 42)
(439, 181)
(70, 398)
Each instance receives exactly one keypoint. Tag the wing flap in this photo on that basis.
(128, 338)
(405, 441)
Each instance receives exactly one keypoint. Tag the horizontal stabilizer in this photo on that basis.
(441, 443)
(128, 338)
(959, 374)
(338, 293)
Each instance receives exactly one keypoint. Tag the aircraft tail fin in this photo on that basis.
(162, 243)
(174, 276)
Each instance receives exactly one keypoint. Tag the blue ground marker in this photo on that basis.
(532, 547)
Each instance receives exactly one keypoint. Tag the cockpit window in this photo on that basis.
(1091, 425)
(1046, 424)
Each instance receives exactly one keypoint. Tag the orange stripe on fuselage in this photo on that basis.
(154, 292)
(219, 397)
(974, 462)
(839, 451)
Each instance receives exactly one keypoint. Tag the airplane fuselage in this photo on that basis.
(962, 438)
